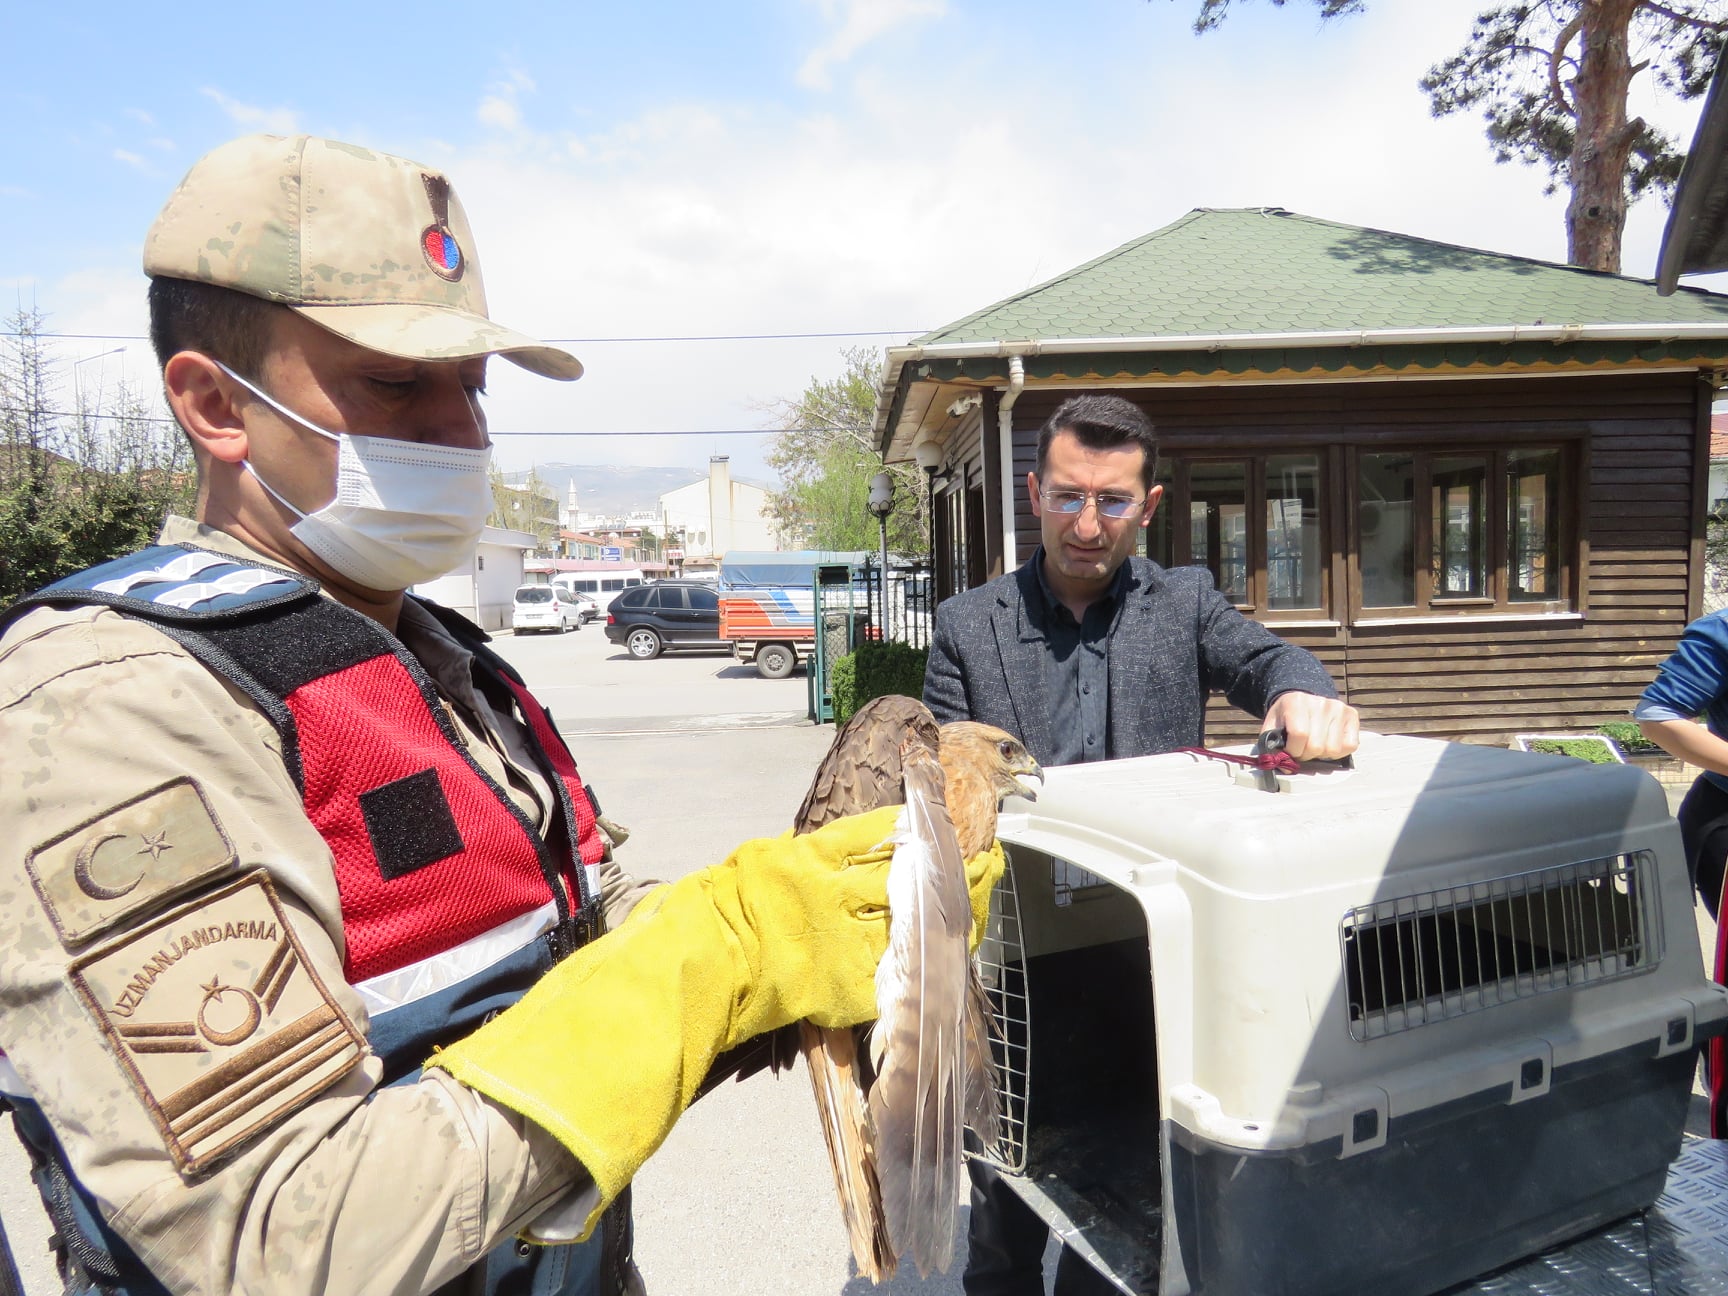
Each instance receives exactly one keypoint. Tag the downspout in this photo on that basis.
(1005, 452)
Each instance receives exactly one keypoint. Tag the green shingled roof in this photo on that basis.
(1266, 270)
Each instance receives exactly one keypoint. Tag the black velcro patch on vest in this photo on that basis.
(410, 824)
(291, 648)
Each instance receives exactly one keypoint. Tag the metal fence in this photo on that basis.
(901, 600)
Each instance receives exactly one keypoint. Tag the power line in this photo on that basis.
(590, 341)
(496, 432)
(87, 414)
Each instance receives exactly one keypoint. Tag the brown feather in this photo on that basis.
(866, 768)
(917, 1044)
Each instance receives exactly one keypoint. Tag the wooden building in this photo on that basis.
(1473, 484)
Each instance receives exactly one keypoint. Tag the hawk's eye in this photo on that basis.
(1005, 749)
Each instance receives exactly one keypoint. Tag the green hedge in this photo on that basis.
(872, 670)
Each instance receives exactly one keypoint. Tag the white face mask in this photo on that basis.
(404, 512)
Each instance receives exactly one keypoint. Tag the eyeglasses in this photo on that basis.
(1109, 505)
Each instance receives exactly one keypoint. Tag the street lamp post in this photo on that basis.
(928, 455)
(882, 504)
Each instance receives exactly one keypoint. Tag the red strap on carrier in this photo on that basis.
(1270, 762)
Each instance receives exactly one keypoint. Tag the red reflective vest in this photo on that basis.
(430, 852)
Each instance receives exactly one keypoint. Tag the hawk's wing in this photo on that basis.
(863, 770)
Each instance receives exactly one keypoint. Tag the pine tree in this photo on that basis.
(1551, 79)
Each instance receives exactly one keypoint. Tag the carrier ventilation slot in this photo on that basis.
(1002, 966)
(1425, 958)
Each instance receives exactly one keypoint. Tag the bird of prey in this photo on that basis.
(894, 1097)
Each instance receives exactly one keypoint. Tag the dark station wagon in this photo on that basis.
(649, 619)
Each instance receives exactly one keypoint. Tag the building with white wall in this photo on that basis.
(483, 589)
(719, 514)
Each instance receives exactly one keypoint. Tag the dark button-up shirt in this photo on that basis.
(1077, 668)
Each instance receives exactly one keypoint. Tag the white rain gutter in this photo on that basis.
(1005, 450)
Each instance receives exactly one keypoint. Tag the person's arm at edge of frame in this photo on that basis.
(1694, 675)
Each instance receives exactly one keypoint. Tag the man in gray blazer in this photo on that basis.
(1088, 652)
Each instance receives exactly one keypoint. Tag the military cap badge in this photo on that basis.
(442, 251)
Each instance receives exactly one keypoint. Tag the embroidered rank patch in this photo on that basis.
(218, 1018)
(128, 857)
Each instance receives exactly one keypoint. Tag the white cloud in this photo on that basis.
(496, 110)
(139, 115)
(272, 121)
(927, 198)
(944, 179)
(859, 23)
(499, 107)
(132, 160)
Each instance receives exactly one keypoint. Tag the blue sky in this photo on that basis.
(665, 169)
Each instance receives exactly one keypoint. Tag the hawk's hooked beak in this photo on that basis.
(1017, 774)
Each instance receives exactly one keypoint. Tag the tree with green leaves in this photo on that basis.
(78, 485)
(1552, 79)
(825, 455)
(528, 504)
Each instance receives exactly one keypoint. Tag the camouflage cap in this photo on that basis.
(374, 248)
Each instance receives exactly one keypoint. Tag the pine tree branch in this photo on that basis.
(1685, 19)
(1556, 56)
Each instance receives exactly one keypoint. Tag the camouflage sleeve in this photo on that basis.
(171, 993)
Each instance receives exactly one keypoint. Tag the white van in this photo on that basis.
(544, 607)
(599, 586)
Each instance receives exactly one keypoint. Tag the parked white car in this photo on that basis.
(586, 604)
(544, 607)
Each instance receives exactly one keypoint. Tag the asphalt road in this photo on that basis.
(694, 754)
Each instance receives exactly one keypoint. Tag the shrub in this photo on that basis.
(843, 687)
(1627, 736)
(1593, 750)
(872, 670)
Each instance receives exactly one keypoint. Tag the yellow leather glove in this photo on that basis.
(609, 1048)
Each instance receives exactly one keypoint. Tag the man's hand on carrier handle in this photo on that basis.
(1315, 728)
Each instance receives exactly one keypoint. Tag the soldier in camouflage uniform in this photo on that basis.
(302, 985)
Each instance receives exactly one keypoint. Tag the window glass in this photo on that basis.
(1533, 524)
(1386, 522)
(1460, 521)
(1218, 524)
(704, 600)
(671, 598)
(612, 583)
(1293, 554)
(538, 594)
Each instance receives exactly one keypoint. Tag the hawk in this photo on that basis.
(894, 1096)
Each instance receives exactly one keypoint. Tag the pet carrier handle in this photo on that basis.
(1271, 741)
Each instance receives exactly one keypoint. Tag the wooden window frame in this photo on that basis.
(1177, 498)
(1495, 602)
